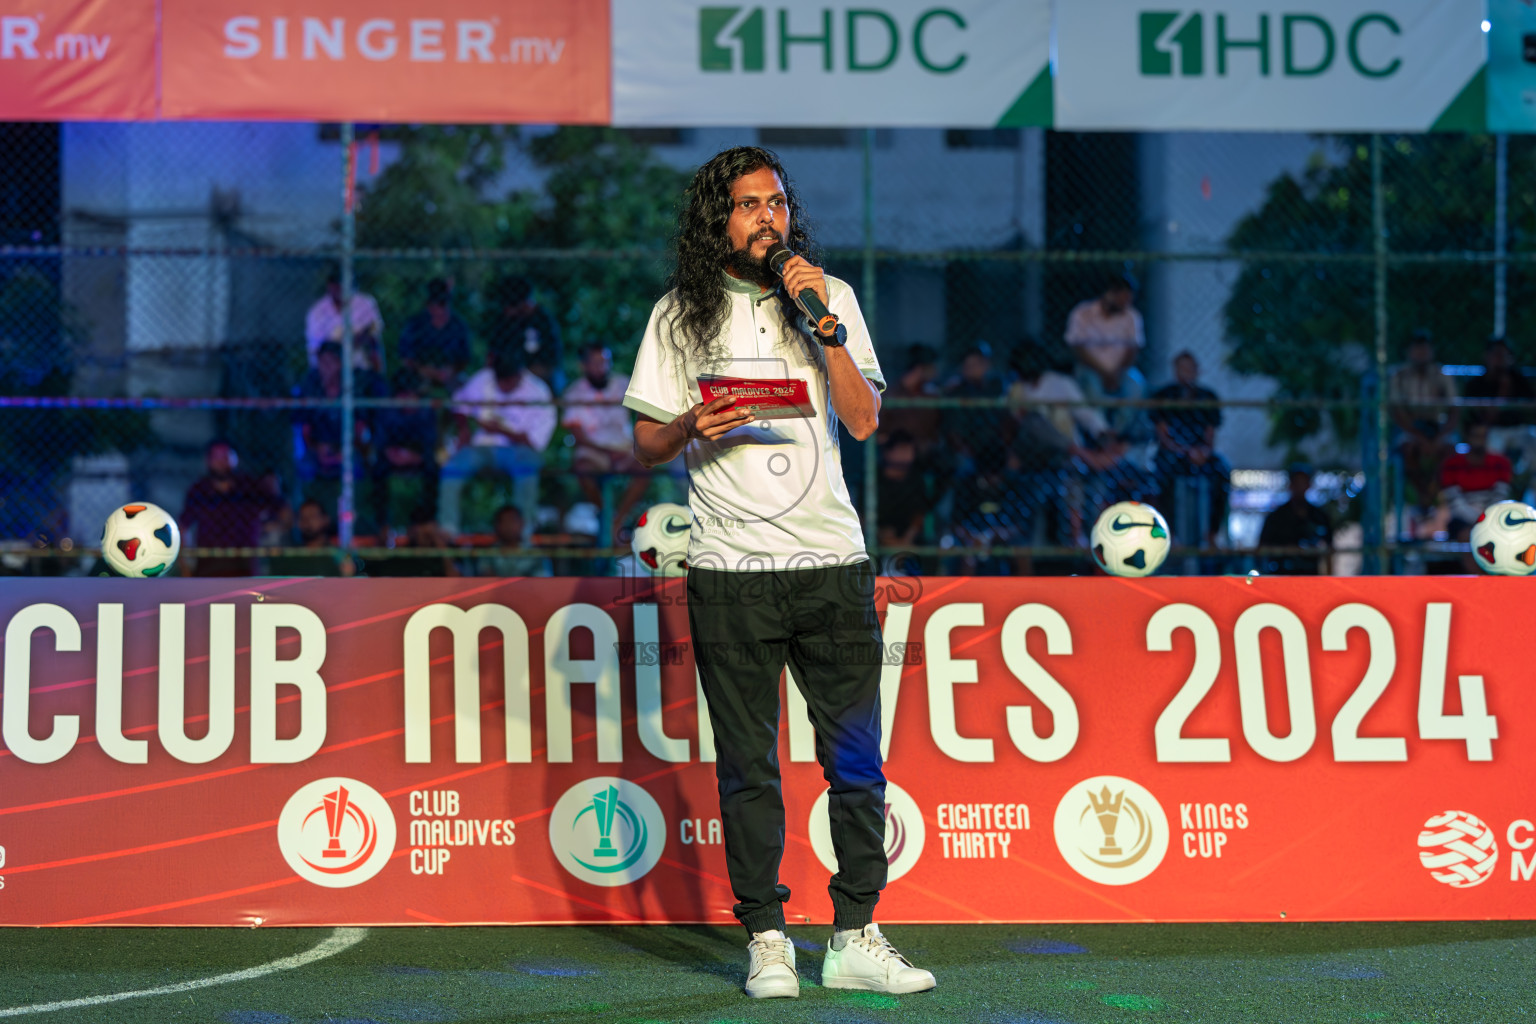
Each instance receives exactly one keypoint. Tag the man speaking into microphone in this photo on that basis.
(749, 367)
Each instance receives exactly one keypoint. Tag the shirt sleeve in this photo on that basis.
(541, 419)
(844, 305)
(656, 388)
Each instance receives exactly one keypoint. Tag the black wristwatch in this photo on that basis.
(837, 339)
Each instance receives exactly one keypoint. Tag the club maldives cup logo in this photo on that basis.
(1458, 849)
(607, 831)
(905, 832)
(336, 832)
(1111, 830)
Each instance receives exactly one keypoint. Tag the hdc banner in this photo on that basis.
(397, 60)
(1258, 65)
(961, 64)
(353, 751)
(78, 60)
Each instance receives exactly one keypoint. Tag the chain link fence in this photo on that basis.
(1202, 321)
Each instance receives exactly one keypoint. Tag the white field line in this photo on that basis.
(341, 939)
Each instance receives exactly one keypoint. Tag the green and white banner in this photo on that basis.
(948, 63)
(1270, 65)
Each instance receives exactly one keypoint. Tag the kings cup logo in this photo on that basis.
(1111, 830)
(607, 831)
(336, 832)
(904, 832)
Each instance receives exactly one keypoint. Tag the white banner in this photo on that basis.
(1269, 65)
(950, 63)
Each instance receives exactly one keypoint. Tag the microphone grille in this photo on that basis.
(779, 255)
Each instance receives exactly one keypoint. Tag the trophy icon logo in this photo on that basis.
(1106, 808)
(607, 831)
(336, 832)
(1111, 830)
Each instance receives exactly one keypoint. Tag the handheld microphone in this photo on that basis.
(808, 301)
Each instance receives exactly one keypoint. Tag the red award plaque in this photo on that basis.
(766, 398)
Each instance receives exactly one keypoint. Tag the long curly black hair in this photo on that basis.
(701, 304)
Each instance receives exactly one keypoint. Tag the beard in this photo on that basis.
(752, 268)
(599, 383)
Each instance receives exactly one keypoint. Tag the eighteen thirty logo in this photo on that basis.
(856, 39)
(336, 832)
(1458, 849)
(607, 831)
(1111, 830)
(905, 832)
(1291, 45)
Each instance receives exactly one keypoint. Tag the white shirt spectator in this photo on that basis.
(1058, 387)
(324, 324)
(1088, 326)
(536, 421)
(607, 426)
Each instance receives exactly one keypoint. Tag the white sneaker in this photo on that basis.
(771, 971)
(871, 963)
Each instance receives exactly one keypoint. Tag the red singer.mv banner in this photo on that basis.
(77, 60)
(289, 751)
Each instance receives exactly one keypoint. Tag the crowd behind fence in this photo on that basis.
(420, 375)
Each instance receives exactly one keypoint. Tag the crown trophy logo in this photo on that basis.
(605, 804)
(607, 831)
(336, 806)
(1106, 808)
(336, 832)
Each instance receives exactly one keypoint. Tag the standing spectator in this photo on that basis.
(1297, 524)
(1471, 479)
(324, 323)
(435, 341)
(1186, 442)
(523, 326)
(405, 471)
(511, 438)
(1419, 395)
(921, 425)
(510, 532)
(1107, 336)
(605, 440)
(225, 508)
(423, 533)
(319, 427)
(1508, 428)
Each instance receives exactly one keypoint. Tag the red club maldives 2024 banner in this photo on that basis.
(457, 751)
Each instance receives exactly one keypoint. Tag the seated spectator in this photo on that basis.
(319, 461)
(405, 471)
(314, 528)
(1509, 429)
(324, 323)
(523, 326)
(973, 432)
(605, 440)
(1107, 335)
(1418, 397)
(509, 438)
(1297, 524)
(916, 381)
(1186, 443)
(1471, 479)
(510, 533)
(225, 508)
(904, 503)
(423, 533)
(435, 341)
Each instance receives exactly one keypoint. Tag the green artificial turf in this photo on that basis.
(1009, 974)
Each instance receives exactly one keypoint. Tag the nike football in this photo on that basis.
(1504, 539)
(140, 539)
(661, 539)
(1130, 538)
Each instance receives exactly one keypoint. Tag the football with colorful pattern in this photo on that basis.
(1504, 539)
(140, 539)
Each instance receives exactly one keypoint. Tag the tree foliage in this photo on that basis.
(1310, 324)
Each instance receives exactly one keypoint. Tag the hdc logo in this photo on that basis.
(1300, 45)
(860, 39)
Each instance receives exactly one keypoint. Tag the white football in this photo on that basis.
(1504, 539)
(140, 539)
(1130, 538)
(661, 539)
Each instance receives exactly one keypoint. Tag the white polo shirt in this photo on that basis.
(770, 494)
